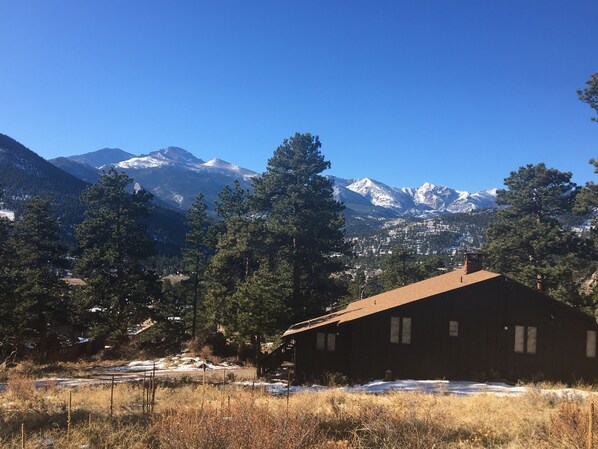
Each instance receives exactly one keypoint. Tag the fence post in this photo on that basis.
(68, 417)
(112, 397)
(22, 435)
(154, 387)
(591, 427)
(143, 395)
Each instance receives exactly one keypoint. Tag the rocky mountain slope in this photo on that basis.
(24, 174)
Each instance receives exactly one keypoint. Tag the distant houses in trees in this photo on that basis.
(466, 324)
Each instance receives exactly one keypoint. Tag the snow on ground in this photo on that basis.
(173, 363)
(442, 387)
(184, 363)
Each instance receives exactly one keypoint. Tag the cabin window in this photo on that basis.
(325, 342)
(395, 329)
(400, 330)
(526, 342)
(321, 341)
(519, 338)
(406, 331)
(531, 339)
(453, 328)
(330, 342)
(591, 344)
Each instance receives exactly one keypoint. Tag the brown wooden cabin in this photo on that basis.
(465, 324)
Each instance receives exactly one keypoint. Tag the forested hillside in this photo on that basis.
(25, 175)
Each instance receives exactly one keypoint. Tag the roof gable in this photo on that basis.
(395, 298)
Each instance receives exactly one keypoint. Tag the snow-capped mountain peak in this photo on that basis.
(177, 155)
(428, 199)
(377, 193)
(141, 162)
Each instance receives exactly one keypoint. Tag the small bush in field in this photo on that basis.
(21, 388)
(332, 379)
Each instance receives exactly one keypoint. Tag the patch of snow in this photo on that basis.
(441, 387)
(174, 363)
(143, 162)
(7, 214)
(226, 168)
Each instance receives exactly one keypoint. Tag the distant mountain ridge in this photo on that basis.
(425, 201)
(176, 176)
(102, 157)
(24, 175)
(172, 174)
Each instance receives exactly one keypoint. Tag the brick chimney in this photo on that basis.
(473, 262)
(540, 282)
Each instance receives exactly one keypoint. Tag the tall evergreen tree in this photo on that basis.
(8, 322)
(195, 253)
(526, 240)
(589, 94)
(239, 245)
(586, 202)
(41, 304)
(113, 242)
(304, 222)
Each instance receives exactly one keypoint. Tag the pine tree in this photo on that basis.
(41, 300)
(586, 203)
(8, 322)
(259, 307)
(238, 246)
(589, 94)
(113, 242)
(526, 240)
(304, 223)
(196, 252)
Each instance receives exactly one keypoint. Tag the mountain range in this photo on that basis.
(176, 176)
(172, 174)
(24, 174)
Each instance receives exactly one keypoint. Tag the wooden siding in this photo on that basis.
(487, 313)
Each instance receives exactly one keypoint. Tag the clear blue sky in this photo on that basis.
(457, 93)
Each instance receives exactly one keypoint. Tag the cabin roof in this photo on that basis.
(394, 298)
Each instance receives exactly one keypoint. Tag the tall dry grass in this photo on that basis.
(189, 415)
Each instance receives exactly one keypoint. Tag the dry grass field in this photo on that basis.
(188, 414)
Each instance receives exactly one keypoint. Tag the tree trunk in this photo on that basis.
(256, 343)
(194, 320)
(298, 307)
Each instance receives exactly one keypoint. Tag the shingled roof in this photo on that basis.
(394, 298)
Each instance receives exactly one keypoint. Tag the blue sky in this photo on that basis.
(456, 93)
